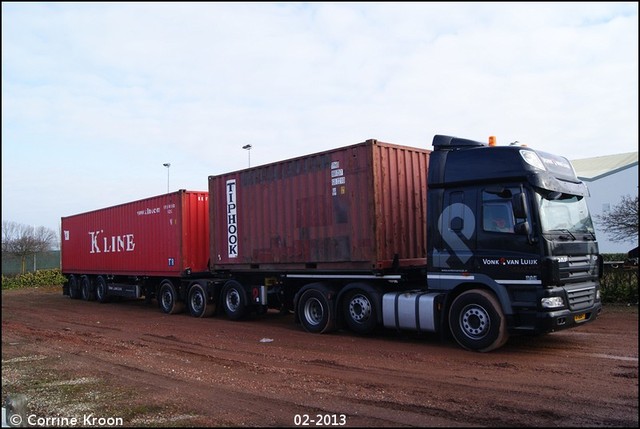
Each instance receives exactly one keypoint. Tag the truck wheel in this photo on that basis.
(101, 289)
(477, 322)
(360, 312)
(199, 304)
(86, 288)
(168, 298)
(74, 287)
(315, 312)
(234, 300)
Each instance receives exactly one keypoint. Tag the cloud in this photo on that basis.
(107, 92)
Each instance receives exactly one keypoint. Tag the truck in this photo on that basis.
(469, 240)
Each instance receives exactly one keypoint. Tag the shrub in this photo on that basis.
(614, 257)
(619, 286)
(619, 283)
(36, 279)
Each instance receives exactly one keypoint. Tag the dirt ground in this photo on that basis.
(129, 364)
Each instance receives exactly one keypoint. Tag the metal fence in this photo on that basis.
(12, 265)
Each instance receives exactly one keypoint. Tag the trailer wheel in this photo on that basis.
(315, 311)
(359, 311)
(86, 288)
(168, 298)
(101, 290)
(477, 322)
(199, 303)
(74, 287)
(234, 300)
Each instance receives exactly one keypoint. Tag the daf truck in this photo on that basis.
(472, 240)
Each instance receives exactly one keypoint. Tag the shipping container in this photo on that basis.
(360, 207)
(166, 235)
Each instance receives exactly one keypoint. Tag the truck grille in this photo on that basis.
(577, 269)
(581, 297)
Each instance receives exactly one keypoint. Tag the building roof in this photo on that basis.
(591, 169)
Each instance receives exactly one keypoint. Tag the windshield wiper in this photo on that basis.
(588, 235)
(564, 237)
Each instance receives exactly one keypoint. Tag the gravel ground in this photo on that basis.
(128, 364)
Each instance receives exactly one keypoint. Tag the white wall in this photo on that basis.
(610, 190)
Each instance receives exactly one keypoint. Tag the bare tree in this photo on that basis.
(9, 232)
(25, 240)
(621, 222)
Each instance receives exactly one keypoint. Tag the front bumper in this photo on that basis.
(563, 319)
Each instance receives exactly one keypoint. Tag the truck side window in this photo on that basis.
(497, 214)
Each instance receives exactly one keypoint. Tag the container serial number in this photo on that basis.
(320, 420)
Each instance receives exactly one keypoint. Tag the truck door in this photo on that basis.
(503, 249)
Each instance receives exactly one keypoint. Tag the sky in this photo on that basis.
(96, 97)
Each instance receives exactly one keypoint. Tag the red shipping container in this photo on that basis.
(164, 235)
(360, 207)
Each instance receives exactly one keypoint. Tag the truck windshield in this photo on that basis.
(564, 213)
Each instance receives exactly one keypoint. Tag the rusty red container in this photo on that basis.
(360, 207)
(166, 235)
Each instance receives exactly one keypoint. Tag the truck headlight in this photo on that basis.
(552, 302)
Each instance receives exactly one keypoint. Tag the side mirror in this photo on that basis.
(519, 202)
(523, 228)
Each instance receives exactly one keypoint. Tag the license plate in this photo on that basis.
(580, 317)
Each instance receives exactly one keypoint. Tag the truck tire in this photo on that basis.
(359, 311)
(315, 311)
(74, 287)
(86, 288)
(477, 322)
(234, 300)
(199, 303)
(101, 290)
(168, 298)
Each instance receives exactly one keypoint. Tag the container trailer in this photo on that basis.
(470, 239)
(126, 249)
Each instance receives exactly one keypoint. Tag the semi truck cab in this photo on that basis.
(510, 242)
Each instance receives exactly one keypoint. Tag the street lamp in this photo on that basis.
(248, 148)
(167, 165)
